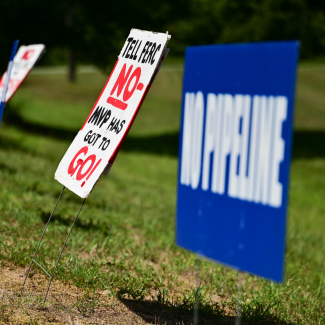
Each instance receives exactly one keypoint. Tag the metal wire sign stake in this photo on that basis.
(39, 244)
(97, 144)
(197, 290)
(239, 308)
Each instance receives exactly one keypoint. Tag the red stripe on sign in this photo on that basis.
(116, 151)
(100, 95)
(117, 103)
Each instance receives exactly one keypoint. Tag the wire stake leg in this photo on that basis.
(239, 297)
(197, 289)
(31, 263)
(66, 240)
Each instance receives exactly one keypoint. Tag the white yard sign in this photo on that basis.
(94, 148)
(23, 62)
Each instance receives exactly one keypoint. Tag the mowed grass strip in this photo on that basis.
(124, 239)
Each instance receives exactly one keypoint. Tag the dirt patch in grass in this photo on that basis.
(65, 304)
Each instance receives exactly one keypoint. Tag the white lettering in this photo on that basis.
(244, 148)
(186, 146)
(263, 153)
(197, 127)
(250, 135)
(252, 152)
(217, 144)
(278, 151)
(209, 138)
(226, 128)
(233, 186)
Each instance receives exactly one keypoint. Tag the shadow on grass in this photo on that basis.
(166, 144)
(88, 225)
(154, 312)
(13, 117)
(306, 143)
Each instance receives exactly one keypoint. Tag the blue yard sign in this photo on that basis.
(234, 154)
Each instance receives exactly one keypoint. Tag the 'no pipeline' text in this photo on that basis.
(247, 130)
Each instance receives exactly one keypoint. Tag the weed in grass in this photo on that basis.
(88, 303)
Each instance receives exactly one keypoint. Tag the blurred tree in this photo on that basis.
(89, 31)
(107, 24)
(30, 21)
(94, 31)
(228, 21)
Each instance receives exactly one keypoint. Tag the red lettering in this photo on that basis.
(81, 175)
(117, 103)
(72, 168)
(93, 169)
(140, 86)
(28, 54)
(120, 83)
(121, 80)
(81, 164)
(127, 93)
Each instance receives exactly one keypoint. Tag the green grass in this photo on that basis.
(124, 238)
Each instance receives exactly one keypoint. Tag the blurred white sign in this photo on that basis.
(24, 61)
(95, 147)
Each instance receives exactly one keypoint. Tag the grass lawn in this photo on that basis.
(123, 241)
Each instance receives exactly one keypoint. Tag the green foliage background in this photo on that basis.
(96, 30)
